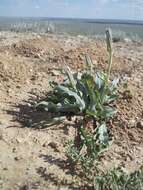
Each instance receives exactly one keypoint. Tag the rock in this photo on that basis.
(29, 105)
(140, 124)
(37, 56)
(54, 146)
(10, 91)
(5, 169)
(45, 144)
(132, 123)
(55, 73)
(14, 150)
(17, 158)
(25, 187)
(67, 57)
(18, 86)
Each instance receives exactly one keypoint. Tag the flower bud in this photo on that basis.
(109, 40)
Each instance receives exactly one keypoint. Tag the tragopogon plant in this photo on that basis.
(85, 94)
(89, 95)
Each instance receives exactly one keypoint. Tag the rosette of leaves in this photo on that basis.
(85, 94)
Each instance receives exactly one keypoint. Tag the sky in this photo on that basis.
(98, 9)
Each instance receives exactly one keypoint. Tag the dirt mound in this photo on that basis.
(36, 48)
(27, 50)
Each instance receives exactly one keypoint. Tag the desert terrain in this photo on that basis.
(33, 155)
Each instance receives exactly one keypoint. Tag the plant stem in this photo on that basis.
(109, 65)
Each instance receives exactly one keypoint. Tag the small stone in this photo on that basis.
(17, 158)
(67, 57)
(9, 91)
(45, 144)
(29, 105)
(14, 150)
(5, 169)
(18, 86)
(140, 124)
(132, 123)
(37, 56)
(25, 187)
(55, 73)
(54, 146)
(33, 77)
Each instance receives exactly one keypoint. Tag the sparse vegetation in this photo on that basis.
(117, 179)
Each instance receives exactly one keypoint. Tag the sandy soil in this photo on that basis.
(33, 157)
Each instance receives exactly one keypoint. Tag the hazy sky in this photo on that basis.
(111, 9)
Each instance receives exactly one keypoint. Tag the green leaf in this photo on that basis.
(82, 91)
(114, 84)
(91, 113)
(69, 108)
(47, 106)
(71, 78)
(67, 93)
(99, 80)
(89, 84)
(108, 99)
(109, 112)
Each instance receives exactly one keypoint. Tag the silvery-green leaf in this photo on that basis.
(108, 99)
(103, 134)
(82, 91)
(69, 108)
(71, 78)
(77, 76)
(114, 84)
(47, 106)
(100, 80)
(67, 92)
(109, 112)
(92, 113)
(54, 121)
(53, 84)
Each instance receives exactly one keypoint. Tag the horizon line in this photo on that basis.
(88, 20)
(74, 18)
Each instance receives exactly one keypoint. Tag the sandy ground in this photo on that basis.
(34, 158)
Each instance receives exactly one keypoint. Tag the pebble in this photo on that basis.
(5, 169)
(14, 150)
(54, 146)
(55, 73)
(17, 158)
(140, 124)
(132, 123)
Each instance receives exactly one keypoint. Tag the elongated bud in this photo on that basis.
(89, 63)
(109, 40)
